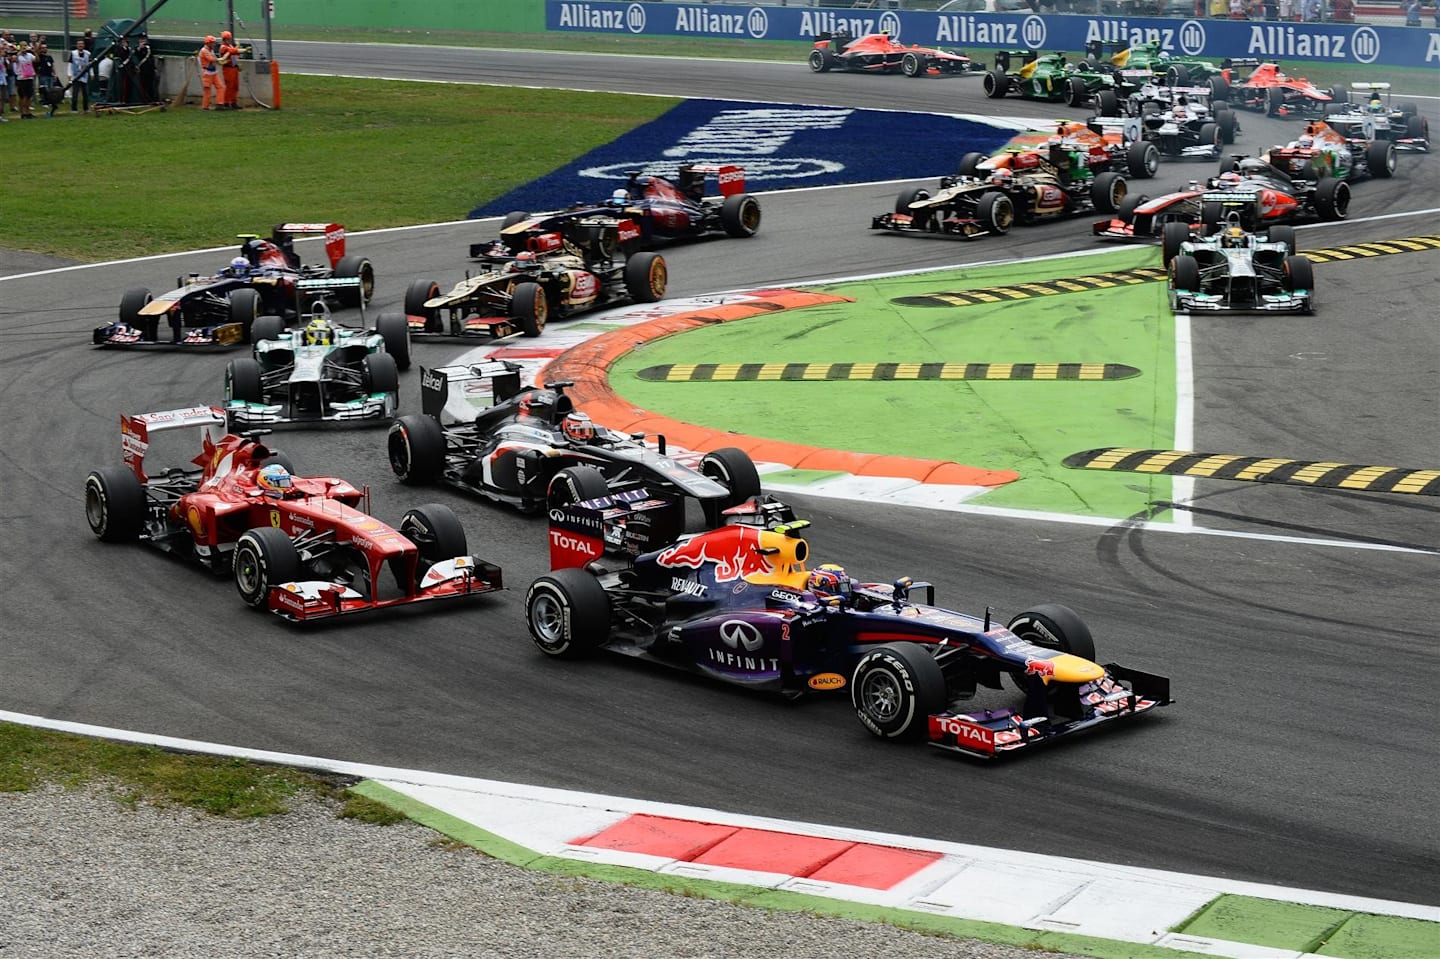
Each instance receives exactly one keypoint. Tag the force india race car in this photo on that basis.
(1344, 149)
(220, 309)
(480, 432)
(1025, 190)
(1099, 145)
(739, 604)
(298, 547)
(666, 210)
(1268, 89)
(878, 53)
(320, 373)
(1239, 272)
(579, 266)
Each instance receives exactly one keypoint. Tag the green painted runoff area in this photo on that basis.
(1315, 929)
(1025, 426)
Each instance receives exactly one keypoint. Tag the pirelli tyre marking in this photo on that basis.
(1255, 469)
(1411, 244)
(1029, 291)
(831, 372)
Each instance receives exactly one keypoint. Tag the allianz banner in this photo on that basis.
(1216, 39)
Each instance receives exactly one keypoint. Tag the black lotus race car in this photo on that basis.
(665, 210)
(480, 432)
(219, 310)
(739, 604)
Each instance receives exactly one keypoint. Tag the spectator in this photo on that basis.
(24, 71)
(10, 52)
(120, 71)
(45, 77)
(1311, 11)
(145, 64)
(1238, 11)
(4, 79)
(1343, 11)
(1272, 9)
(77, 68)
(1287, 10)
(1411, 9)
(1219, 8)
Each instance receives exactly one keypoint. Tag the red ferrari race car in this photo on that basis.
(739, 604)
(1268, 89)
(665, 210)
(219, 309)
(879, 53)
(296, 546)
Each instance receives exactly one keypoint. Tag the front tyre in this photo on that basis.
(114, 504)
(530, 307)
(416, 295)
(437, 534)
(242, 381)
(576, 484)
(568, 613)
(895, 689)
(646, 277)
(265, 558)
(1052, 626)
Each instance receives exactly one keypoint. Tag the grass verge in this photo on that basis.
(231, 788)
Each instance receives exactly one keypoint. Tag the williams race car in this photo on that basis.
(219, 310)
(665, 210)
(321, 373)
(878, 53)
(578, 266)
(1180, 121)
(1239, 272)
(738, 603)
(298, 547)
(480, 432)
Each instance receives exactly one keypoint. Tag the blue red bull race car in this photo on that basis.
(738, 603)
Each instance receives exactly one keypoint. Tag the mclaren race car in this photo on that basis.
(739, 603)
(879, 53)
(579, 265)
(480, 432)
(321, 373)
(297, 546)
(665, 209)
(263, 280)
(1239, 272)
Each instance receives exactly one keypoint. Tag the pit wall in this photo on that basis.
(1213, 39)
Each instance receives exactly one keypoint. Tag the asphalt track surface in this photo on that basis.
(1301, 750)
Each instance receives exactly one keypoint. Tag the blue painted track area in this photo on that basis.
(781, 146)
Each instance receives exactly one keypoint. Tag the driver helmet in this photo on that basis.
(525, 260)
(1231, 177)
(239, 265)
(1252, 165)
(539, 404)
(1001, 176)
(577, 426)
(829, 580)
(619, 198)
(1233, 237)
(1305, 142)
(319, 333)
(1375, 106)
(274, 480)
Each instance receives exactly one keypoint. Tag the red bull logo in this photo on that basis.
(1043, 668)
(734, 551)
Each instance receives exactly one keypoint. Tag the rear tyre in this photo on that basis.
(416, 447)
(356, 267)
(1219, 89)
(819, 62)
(1380, 157)
(1075, 92)
(733, 469)
(244, 310)
(895, 688)
(1171, 236)
(996, 84)
(1142, 158)
(1052, 626)
(415, 297)
(1185, 273)
(114, 504)
(265, 558)
(267, 328)
(568, 613)
(995, 212)
(646, 277)
(970, 164)
(395, 331)
(740, 215)
(131, 303)
(1332, 198)
(437, 534)
(530, 307)
(575, 484)
(1107, 103)
(1107, 192)
(242, 381)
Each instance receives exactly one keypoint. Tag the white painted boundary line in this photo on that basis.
(1182, 488)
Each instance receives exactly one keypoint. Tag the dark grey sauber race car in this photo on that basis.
(531, 448)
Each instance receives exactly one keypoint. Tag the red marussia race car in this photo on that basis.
(879, 53)
(296, 546)
(737, 603)
(1270, 90)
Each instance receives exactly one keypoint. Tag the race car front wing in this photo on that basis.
(310, 600)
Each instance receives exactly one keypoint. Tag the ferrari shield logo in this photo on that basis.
(275, 518)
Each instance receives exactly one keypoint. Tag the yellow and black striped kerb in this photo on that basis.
(1256, 469)
(1028, 291)
(888, 372)
(1410, 244)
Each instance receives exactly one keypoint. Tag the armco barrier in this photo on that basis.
(1330, 43)
(498, 16)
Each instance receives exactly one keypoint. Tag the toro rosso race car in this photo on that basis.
(322, 373)
(220, 309)
(738, 603)
(1239, 272)
(664, 209)
(480, 432)
(296, 546)
(576, 265)
(879, 53)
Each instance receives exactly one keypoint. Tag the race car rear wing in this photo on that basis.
(729, 177)
(471, 388)
(310, 293)
(625, 522)
(1003, 57)
(334, 235)
(135, 431)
